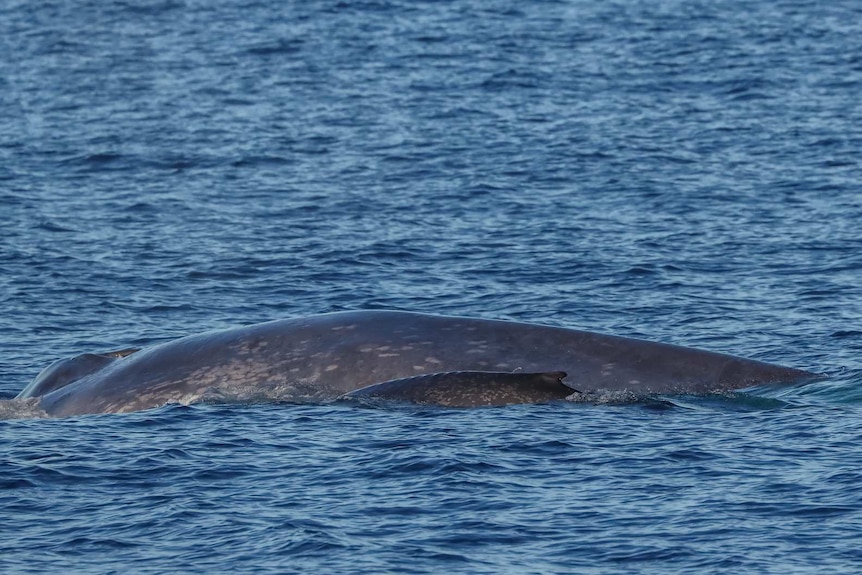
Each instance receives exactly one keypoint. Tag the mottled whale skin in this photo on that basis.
(326, 356)
(470, 389)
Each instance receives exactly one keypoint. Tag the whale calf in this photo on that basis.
(325, 357)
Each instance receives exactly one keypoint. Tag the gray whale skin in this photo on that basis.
(390, 355)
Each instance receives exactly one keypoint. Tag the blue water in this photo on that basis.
(682, 171)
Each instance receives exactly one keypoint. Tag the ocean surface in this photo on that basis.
(682, 171)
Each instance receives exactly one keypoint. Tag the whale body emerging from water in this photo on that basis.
(391, 355)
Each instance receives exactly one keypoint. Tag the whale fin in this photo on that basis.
(470, 388)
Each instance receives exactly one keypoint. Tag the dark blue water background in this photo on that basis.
(683, 171)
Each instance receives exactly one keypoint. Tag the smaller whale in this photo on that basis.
(470, 388)
(67, 370)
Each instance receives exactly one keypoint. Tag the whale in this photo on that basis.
(397, 355)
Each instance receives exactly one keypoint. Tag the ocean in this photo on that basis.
(681, 171)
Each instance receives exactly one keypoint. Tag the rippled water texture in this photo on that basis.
(681, 171)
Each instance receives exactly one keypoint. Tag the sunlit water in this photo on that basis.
(686, 172)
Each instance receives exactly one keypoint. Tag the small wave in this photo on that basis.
(751, 400)
(279, 47)
(845, 389)
(730, 401)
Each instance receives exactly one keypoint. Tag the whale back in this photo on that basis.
(323, 357)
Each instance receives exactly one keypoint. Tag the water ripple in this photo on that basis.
(682, 171)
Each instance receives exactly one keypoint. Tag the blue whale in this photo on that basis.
(393, 355)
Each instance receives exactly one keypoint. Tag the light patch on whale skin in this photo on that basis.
(159, 394)
(149, 402)
(477, 346)
(331, 367)
(230, 378)
(433, 360)
(248, 347)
